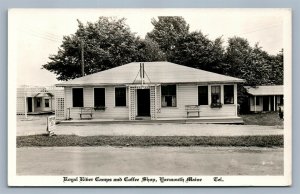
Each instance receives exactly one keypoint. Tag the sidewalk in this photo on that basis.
(38, 126)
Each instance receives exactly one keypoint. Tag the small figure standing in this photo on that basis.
(280, 113)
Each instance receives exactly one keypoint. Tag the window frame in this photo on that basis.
(176, 94)
(199, 96)
(211, 94)
(73, 97)
(47, 99)
(116, 96)
(225, 92)
(104, 96)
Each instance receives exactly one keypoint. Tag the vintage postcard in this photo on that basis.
(149, 97)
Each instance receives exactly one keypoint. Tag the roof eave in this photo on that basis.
(107, 84)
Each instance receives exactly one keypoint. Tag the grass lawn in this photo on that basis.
(73, 140)
(268, 119)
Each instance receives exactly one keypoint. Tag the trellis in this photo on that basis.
(59, 104)
(133, 100)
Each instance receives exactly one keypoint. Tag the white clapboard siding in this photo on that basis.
(187, 94)
(111, 111)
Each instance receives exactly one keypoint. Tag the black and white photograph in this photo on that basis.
(149, 97)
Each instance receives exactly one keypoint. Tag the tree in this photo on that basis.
(149, 51)
(196, 50)
(167, 30)
(107, 43)
(276, 63)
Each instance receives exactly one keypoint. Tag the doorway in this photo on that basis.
(29, 103)
(143, 102)
(266, 103)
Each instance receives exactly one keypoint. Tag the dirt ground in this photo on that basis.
(37, 125)
(149, 161)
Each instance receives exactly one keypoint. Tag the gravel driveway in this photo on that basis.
(149, 161)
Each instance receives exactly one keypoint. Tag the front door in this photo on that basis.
(29, 104)
(143, 102)
(266, 103)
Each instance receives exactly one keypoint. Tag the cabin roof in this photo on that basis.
(155, 72)
(265, 90)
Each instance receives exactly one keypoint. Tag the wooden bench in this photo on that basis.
(86, 111)
(192, 109)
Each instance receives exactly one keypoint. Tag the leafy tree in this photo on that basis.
(167, 31)
(276, 63)
(107, 43)
(148, 50)
(196, 50)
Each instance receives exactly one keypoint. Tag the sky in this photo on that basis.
(35, 34)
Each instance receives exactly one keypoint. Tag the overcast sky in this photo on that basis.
(34, 34)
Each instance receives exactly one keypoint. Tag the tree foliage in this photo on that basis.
(167, 31)
(107, 43)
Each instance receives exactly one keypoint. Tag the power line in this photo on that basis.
(261, 29)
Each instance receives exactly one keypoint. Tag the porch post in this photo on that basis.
(254, 103)
(235, 99)
(222, 94)
(25, 107)
(209, 94)
(274, 104)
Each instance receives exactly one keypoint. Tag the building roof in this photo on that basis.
(156, 72)
(265, 90)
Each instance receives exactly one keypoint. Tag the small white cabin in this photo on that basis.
(265, 98)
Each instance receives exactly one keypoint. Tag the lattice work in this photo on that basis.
(132, 103)
(59, 103)
(133, 100)
(59, 108)
(152, 102)
(158, 100)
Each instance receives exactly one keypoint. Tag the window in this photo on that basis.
(202, 95)
(99, 97)
(168, 95)
(120, 96)
(228, 94)
(38, 102)
(77, 97)
(47, 103)
(215, 94)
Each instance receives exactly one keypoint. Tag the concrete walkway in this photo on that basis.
(38, 126)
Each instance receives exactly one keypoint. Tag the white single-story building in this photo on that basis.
(265, 98)
(153, 90)
(35, 100)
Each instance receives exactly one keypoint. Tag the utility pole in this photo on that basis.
(82, 57)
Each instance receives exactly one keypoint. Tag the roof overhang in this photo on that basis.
(117, 84)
